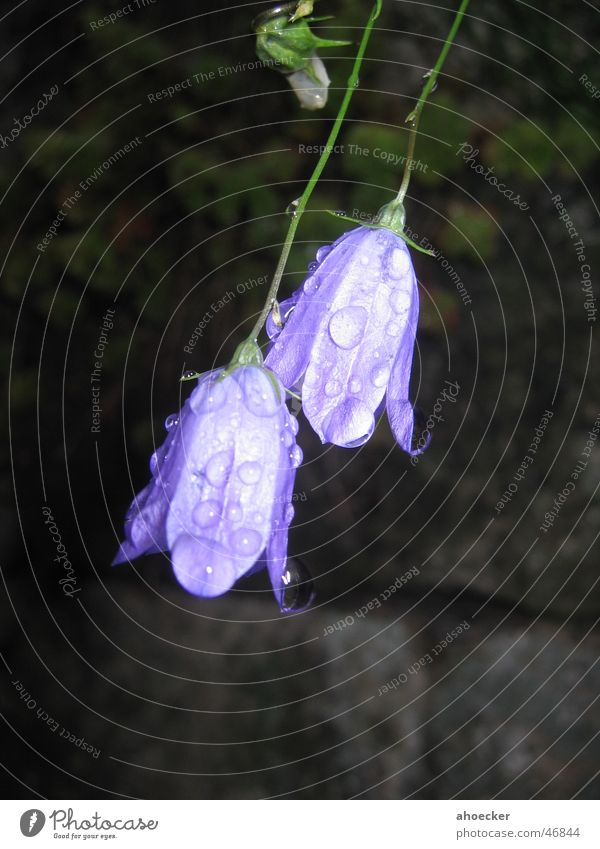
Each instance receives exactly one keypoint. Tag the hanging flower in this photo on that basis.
(348, 338)
(285, 41)
(220, 497)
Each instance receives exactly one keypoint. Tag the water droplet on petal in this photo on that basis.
(312, 267)
(206, 514)
(393, 329)
(400, 301)
(208, 397)
(399, 263)
(311, 376)
(258, 518)
(289, 514)
(249, 472)
(246, 542)
(294, 426)
(355, 385)
(364, 260)
(234, 513)
(154, 464)
(171, 421)
(322, 252)
(297, 590)
(347, 326)
(349, 424)
(287, 437)
(296, 456)
(332, 388)
(219, 467)
(380, 376)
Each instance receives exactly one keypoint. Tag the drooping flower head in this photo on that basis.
(348, 338)
(285, 40)
(221, 490)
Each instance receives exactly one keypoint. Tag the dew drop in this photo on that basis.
(312, 267)
(311, 376)
(364, 260)
(189, 375)
(154, 464)
(287, 437)
(296, 456)
(399, 263)
(234, 513)
(292, 208)
(332, 388)
(249, 472)
(393, 329)
(171, 421)
(380, 376)
(355, 385)
(400, 301)
(294, 426)
(297, 589)
(206, 514)
(245, 542)
(323, 252)
(219, 466)
(258, 518)
(347, 325)
(289, 514)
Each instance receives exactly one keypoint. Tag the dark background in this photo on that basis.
(228, 699)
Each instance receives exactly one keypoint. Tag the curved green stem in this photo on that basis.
(413, 117)
(304, 198)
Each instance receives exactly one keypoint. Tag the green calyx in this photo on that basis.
(248, 353)
(392, 216)
(284, 39)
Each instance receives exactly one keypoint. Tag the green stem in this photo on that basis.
(304, 198)
(414, 116)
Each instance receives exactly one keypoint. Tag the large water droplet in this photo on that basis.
(171, 421)
(206, 514)
(347, 325)
(400, 301)
(332, 388)
(380, 376)
(249, 472)
(246, 542)
(234, 512)
(322, 252)
(399, 263)
(259, 392)
(154, 464)
(296, 456)
(218, 467)
(208, 397)
(297, 591)
(292, 208)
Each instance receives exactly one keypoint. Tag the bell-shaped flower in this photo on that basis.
(348, 336)
(220, 496)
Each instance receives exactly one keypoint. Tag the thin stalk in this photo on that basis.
(304, 198)
(413, 117)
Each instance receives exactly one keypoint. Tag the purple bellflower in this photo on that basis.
(221, 490)
(348, 336)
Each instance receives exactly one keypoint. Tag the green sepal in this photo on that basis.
(289, 46)
(391, 217)
(248, 353)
